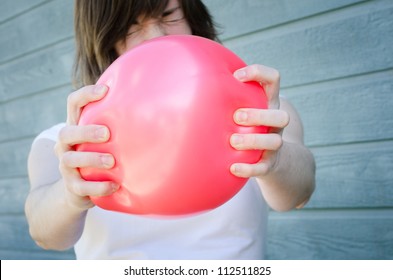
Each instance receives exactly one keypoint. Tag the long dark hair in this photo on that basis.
(99, 24)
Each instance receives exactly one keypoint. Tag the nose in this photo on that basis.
(153, 29)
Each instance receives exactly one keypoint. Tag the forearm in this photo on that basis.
(292, 180)
(53, 223)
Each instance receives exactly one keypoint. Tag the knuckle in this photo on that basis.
(62, 167)
(64, 163)
(72, 98)
(63, 133)
(253, 140)
(278, 142)
(58, 149)
(285, 119)
(263, 74)
(67, 158)
(80, 97)
(76, 187)
(254, 70)
(275, 75)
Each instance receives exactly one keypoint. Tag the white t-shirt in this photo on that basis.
(235, 230)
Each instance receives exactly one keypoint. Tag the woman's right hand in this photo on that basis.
(77, 190)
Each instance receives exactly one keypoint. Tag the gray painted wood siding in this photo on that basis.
(36, 56)
(336, 63)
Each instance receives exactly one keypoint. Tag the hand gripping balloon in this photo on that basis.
(170, 109)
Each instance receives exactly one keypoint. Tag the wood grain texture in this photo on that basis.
(17, 244)
(354, 176)
(254, 15)
(350, 110)
(21, 119)
(341, 234)
(13, 193)
(42, 70)
(13, 158)
(37, 28)
(13, 8)
(323, 50)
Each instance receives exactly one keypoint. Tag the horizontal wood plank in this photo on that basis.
(39, 27)
(37, 72)
(321, 235)
(356, 234)
(13, 193)
(347, 110)
(13, 8)
(13, 158)
(256, 15)
(354, 176)
(26, 117)
(16, 243)
(15, 233)
(325, 51)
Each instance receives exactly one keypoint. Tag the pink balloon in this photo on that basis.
(170, 111)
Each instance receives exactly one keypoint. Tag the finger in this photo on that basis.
(259, 73)
(271, 141)
(245, 170)
(78, 187)
(89, 188)
(80, 98)
(73, 134)
(72, 159)
(268, 77)
(257, 117)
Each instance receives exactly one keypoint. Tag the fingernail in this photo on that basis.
(240, 74)
(241, 116)
(102, 133)
(115, 187)
(107, 160)
(235, 168)
(236, 140)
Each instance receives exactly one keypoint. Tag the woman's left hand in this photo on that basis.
(272, 117)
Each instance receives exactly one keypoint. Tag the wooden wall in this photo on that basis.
(336, 62)
(36, 56)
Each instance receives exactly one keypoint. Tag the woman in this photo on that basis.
(58, 208)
